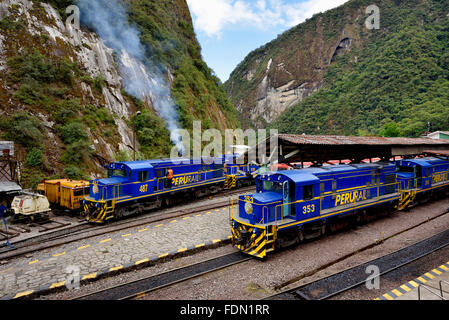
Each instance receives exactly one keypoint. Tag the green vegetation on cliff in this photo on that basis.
(391, 81)
(166, 31)
(58, 113)
(168, 36)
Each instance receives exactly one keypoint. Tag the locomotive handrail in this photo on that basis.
(441, 286)
(263, 215)
(118, 185)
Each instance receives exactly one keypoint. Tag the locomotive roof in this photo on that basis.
(425, 162)
(146, 164)
(312, 174)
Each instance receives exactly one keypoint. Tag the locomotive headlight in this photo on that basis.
(248, 208)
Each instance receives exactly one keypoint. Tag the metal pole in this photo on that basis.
(134, 134)
(134, 140)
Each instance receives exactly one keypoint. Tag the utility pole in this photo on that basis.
(134, 134)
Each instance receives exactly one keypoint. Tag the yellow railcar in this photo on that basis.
(52, 190)
(66, 193)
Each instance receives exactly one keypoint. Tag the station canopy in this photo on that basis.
(321, 149)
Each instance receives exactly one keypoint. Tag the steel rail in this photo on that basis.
(79, 232)
(304, 292)
(138, 288)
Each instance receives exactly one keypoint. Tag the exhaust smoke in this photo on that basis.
(141, 78)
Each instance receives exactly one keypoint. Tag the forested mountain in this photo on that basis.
(333, 75)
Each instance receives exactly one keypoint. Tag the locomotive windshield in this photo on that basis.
(405, 169)
(272, 186)
(118, 173)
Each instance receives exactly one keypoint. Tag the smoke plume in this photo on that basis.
(109, 19)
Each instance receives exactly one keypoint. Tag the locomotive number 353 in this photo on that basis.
(308, 209)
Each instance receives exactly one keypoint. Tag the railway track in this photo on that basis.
(85, 230)
(140, 287)
(346, 280)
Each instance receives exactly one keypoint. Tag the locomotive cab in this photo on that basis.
(118, 185)
(414, 174)
(280, 198)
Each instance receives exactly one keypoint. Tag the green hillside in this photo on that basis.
(393, 83)
(167, 33)
(59, 116)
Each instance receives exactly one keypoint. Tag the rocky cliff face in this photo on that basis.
(42, 28)
(334, 75)
(62, 96)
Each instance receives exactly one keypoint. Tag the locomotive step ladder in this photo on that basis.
(271, 237)
(230, 182)
(407, 197)
(110, 208)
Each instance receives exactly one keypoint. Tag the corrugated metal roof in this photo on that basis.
(343, 140)
(7, 186)
(438, 152)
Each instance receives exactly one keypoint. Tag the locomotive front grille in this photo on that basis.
(249, 242)
(95, 211)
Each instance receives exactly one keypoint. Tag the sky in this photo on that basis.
(228, 30)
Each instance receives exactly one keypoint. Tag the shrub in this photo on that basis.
(99, 83)
(75, 173)
(23, 129)
(78, 153)
(34, 158)
(152, 134)
(74, 132)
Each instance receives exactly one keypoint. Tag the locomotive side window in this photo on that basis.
(322, 187)
(307, 192)
(160, 173)
(258, 186)
(143, 176)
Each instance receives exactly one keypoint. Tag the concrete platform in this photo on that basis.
(115, 252)
(425, 287)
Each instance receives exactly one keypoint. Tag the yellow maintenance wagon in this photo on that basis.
(66, 193)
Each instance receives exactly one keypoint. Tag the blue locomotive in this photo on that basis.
(290, 206)
(134, 187)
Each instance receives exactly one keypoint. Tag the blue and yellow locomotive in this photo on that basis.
(294, 205)
(134, 187)
(419, 179)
